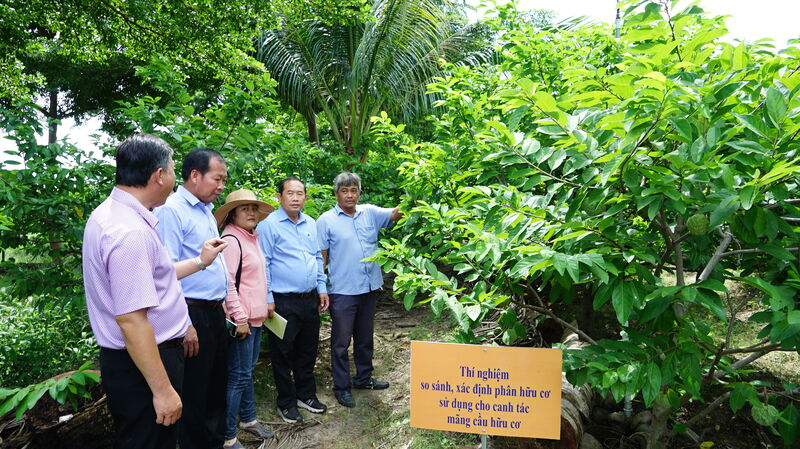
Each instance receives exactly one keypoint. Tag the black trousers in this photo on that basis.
(130, 400)
(296, 354)
(352, 316)
(205, 381)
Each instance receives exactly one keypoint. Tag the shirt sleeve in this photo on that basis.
(322, 233)
(169, 228)
(130, 265)
(233, 305)
(382, 216)
(322, 279)
(266, 243)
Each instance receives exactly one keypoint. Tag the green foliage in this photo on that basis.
(351, 72)
(71, 388)
(46, 200)
(208, 35)
(572, 180)
(41, 338)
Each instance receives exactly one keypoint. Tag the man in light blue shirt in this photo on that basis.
(347, 234)
(296, 282)
(185, 221)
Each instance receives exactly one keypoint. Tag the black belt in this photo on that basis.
(204, 302)
(304, 295)
(174, 343)
(169, 344)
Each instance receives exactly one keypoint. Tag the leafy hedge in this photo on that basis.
(585, 168)
(40, 339)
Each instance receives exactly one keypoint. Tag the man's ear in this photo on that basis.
(278, 196)
(158, 176)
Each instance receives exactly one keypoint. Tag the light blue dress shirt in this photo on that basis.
(294, 262)
(349, 239)
(184, 224)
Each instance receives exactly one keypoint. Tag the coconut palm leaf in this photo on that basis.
(350, 73)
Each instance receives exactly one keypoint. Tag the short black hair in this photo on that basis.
(199, 159)
(287, 179)
(138, 157)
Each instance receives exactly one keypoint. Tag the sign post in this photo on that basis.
(487, 390)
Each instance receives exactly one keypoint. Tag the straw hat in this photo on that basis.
(239, 198)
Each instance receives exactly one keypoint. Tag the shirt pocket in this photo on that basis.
(367, 234)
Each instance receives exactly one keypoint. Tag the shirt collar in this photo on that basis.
(129, 200)
(340, 211)
(282, 216)
(232, 228)
(191, 199)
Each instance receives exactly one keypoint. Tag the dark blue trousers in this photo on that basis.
(352, 317)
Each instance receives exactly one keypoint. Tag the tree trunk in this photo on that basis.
(311, 122)
(52, 115)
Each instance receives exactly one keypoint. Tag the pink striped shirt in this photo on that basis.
(249, 304)
(126, 268)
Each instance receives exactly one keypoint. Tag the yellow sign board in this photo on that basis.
(491, 390)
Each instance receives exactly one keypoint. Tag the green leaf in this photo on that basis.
(712, 301)
(748, 147)
(408, 299)
(652, 385)
(789, 425)
(747, 195)
(545, 101)
(766, 415)
(741, 394)
(776, 106)
(11, 401)
(623, 300)
(777, 252)
(754, 124)
(31, 400)
(78, 378)
(722, 212)
(473, 312)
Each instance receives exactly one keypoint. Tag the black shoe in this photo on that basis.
(290, 415)
(372, 384)
(345, 398)
(312, 405)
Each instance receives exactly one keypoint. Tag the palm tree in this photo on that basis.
(350, 73)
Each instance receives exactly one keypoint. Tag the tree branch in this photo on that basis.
(726, 240)
(767, 348)
(717, 402)
(779, 204)
(743, 362)
(546, 311)
(752, 251)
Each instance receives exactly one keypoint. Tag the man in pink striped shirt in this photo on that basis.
(136, 306)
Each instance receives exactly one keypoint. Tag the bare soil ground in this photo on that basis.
(380, 419)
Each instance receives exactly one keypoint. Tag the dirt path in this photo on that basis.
(380, 418)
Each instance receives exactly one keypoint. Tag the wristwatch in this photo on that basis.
(200, 263)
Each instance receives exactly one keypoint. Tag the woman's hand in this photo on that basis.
(242, 331)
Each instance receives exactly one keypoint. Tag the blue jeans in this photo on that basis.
(242, 358)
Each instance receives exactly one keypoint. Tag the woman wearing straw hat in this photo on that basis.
(246, 306)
